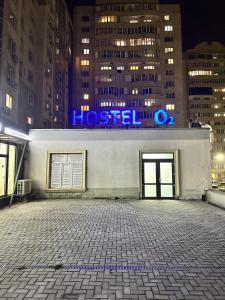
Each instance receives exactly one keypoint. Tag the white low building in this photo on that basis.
(111, 163)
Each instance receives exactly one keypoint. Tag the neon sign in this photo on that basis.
(116, 117)
(105, 117)
(162, 117)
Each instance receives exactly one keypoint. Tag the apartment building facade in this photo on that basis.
(128, 56)
(206, 96)
(35, 78)
(36, 50)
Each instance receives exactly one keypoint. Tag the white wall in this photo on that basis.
(113, 157)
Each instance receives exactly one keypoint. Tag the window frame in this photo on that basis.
(7, 156)
(48, 171)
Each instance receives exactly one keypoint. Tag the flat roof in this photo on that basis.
(120, 134)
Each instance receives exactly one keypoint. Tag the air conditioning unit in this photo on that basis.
(23, 187)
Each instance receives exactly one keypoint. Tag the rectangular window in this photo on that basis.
(85, 18)
(133, 68)
(168, 28)
(85, 40)
(168, 50)
(86, 96)
(84, 107)
(11, 74)
(7, 168)
(86, 51)
(167, 17)
(149, 67)
(170, 106)
(9, 101)
(170, 61)
(67, 170)
(85, 62)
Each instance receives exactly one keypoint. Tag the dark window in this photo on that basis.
(85, 18)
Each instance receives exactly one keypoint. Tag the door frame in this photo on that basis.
(176, 170)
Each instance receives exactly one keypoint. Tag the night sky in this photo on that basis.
(201, 20)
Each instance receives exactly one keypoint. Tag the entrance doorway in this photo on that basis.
(158, 176)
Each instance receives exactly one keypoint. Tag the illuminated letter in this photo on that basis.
(124, 117)
(134, 121)
(91, 117)
(77, 117)
(104, 117)
(161, 117)
(114, 113)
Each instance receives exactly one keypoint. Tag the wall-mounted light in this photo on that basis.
(16, 133)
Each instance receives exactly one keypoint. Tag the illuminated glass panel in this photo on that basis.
(86, 96)
(11, 168)
(157, 155)
(170, 106)
(85, 40)
(86, 51)
(85, 107)
(9, 101)
(85, 62)
(168, 28)
(2, 175)
(167, 17)
(168, 50)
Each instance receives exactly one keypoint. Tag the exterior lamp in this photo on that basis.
(16, 133)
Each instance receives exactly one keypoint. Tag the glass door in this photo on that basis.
(158, 178)
(166, 180)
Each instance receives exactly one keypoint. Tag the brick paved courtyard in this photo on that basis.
(73, 249)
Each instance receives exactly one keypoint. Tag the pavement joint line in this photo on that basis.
(113, 267)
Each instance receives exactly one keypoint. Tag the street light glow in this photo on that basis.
(219, 156)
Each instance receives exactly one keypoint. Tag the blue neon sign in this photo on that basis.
(105, 117)
(117, 117)
(161, 117)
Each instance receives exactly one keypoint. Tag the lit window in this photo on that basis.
(9, 101)
(85, 40)
(86, 96)
(55, 119)
(168, 28)
(84, 62)
(200, 73)
(149, 67)
(170, 106)
(106, 68)
(168, 50)
(149, 102)
(167, 17)
(147, 20)
(86, 51)
(134, 68)
(12, 20)
(133, 21)
(84, 107)
(134, 91)
(57, 107)
(107, 19)
(170, 61)
(120, 68)
(121, 43)
(29, 120)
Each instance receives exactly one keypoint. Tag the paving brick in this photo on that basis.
(160, 235)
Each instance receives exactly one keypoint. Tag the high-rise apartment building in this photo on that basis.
(128, 56)
(206, 93)
(35, 55)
